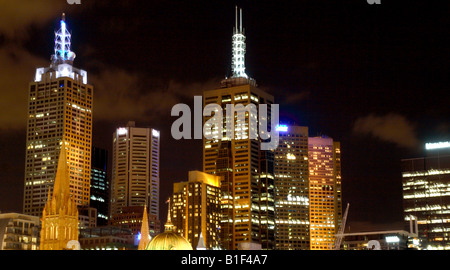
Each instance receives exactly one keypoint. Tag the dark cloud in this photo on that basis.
(13, 102)
(16, 18)
(120, 95)
(392, 128)
(297, 97)
(123, 95)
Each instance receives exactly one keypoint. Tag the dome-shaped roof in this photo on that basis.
(169, 240)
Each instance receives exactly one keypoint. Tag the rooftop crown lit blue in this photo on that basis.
(282, 128)
(62, 43)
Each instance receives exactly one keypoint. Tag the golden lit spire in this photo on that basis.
(60, 215)
(145, 234)
(169, 225)
(62, 179)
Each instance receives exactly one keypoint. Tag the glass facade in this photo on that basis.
(426, 196)
(100, 185)
(292, 190)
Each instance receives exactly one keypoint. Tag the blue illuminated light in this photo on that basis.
(63, 40)
(282, 128)
(62, 43)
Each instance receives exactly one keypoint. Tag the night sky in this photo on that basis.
(374, 77)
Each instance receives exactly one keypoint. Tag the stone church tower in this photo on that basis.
(60, 215)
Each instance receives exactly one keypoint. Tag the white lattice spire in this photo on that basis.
(62, 43)
(238, 48)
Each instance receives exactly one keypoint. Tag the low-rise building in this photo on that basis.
(379, 240)
(107, 238)
(19, 232)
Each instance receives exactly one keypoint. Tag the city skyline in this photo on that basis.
(312, 68)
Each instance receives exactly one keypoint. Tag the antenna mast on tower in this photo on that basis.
(238, 45)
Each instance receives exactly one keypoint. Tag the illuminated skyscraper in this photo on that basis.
(426, 194)
(292, 189)
(246, 171)
(325, 195)
(135, 175)
(196, 209)
(60, 108)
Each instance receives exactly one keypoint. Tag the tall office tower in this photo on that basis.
(135, 173)
(60, 215)
(100, 187)
(246, 171)
(59, 109)
(292, 189)
(196, 209)
(325, 194)
(426, 196)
